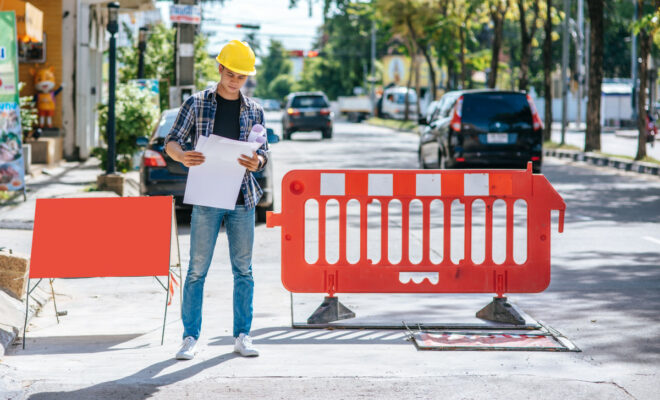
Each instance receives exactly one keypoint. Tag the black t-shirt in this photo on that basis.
(226, 124)
(227, 115)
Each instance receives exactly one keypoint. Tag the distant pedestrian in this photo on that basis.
(221, 110)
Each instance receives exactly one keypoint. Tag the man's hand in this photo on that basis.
(187, 158)
(251, 163)
(192, 158)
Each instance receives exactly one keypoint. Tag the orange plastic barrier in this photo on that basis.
(406, 276)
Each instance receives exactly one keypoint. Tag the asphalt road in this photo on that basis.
(604, 297)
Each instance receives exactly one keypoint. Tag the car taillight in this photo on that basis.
(536, 158)
(536, 119)
(153, 159)
(460, 159)
(293, 111)
(456, 118)
(324, 112)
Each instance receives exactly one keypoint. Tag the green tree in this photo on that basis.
(646, 28)
(159, 60)
(134, 118)
(281, 86)
(276, 63)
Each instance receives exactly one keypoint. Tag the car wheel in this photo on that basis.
(326, 134)
(286, 135)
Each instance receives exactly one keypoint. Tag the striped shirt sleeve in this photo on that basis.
(184, 123)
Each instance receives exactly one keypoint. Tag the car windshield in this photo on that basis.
(400, 98)
(309, 101)
(165, 124)
(496, 112)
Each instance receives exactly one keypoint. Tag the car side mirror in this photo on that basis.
(271, 136)
(142, 141)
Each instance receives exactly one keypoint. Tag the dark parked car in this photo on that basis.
(483, 129)
(307, 111)
(160, 175)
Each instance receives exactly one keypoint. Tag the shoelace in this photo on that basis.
(247, 341)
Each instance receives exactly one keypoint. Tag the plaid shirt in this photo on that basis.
(196, 117)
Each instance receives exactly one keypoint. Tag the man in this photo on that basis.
(221, 110)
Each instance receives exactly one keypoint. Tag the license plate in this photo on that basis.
(310, 113)
(497, 138)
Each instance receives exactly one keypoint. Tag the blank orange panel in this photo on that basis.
(405, 185)
(500, 184)
(95, 237)
(452, 184)
(357, 184)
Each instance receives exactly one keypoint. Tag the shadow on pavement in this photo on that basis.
(288, 335)
(75, 344)
(601, 196)
(140, 385)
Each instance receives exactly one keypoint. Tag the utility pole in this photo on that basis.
(184, 54)
(633, 66)
(564, 74)
(580, 61)
(113, 28)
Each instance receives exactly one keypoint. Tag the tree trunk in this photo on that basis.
(412, 52)
(497, 17)
(526, 37)
(461, 55)
(592, 137)
(644, 50)
(424, 49)
(547, 73)
(450, 74)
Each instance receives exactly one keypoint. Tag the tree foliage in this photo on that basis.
(275, 64)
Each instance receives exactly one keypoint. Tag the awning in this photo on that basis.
(29, 19)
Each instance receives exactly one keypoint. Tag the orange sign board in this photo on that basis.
(100, 237)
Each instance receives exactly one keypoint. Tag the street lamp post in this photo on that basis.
(113, 28)
(142, 46)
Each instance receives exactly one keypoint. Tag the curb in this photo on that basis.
(14, 314)
(603, 161)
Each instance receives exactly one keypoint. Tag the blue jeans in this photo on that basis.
(205, 225)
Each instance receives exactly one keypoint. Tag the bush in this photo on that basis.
(135, 116)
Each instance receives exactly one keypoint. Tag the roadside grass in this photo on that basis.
(393, 124)
(554, 145)
(645, 159)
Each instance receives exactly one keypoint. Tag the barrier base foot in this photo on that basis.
(499, 310)
(330, 310)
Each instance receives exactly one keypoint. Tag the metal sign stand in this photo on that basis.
(170, 277)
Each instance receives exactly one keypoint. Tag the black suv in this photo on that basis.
(307, 111)
(160, 175)
(483, 129)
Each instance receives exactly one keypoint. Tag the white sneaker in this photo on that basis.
(244, 346)
(188, 349)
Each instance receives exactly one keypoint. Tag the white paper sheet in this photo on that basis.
(217, 181)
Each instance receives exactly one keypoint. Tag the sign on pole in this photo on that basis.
(12, 171)
(186, 14)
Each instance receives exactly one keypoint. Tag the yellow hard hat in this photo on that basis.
(238, 57)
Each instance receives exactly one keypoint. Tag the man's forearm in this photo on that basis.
(174, 150)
